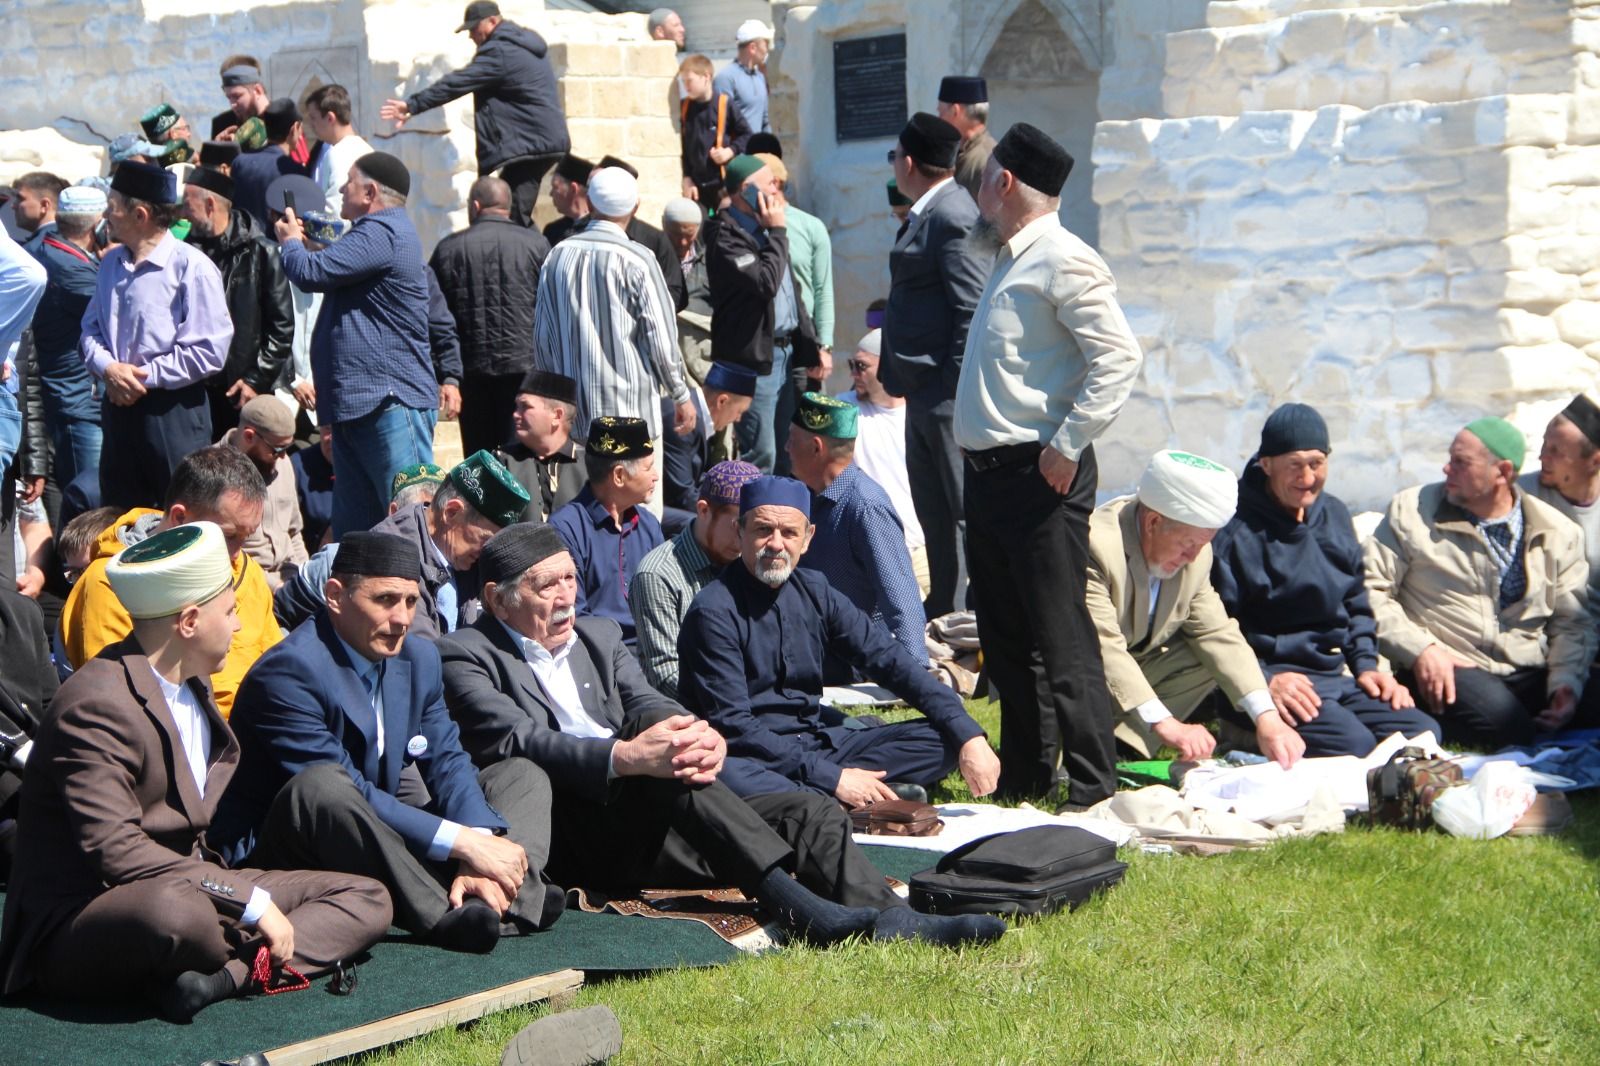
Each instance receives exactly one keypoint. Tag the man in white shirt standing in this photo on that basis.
(328, 113)
(1049, 306)
(881, 444)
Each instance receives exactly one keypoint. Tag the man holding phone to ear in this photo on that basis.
(758, 319)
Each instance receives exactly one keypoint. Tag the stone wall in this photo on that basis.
(615, 83)
(1405, 265)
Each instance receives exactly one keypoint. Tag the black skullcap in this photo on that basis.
(510, 552)
(279, 118)
(613, 161)
(1585, 414)
(142, 181)
(575, 169)
(930, 139)
(550, 386)
(218, 153)
(1034, 158)
(213, 181)
(385, 169)
(1294, 427)
(759, 143)
(955, 89)
(369, 554)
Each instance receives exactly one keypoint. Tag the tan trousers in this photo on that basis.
(1179, 680)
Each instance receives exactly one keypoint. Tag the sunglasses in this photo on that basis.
(894, 153)
(858, 366)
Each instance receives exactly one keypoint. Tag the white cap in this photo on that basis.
(752, 30)
(683, 211)
(1189, 489)
(171, 570)
(613, 192)
(872, 343)
(81, 200)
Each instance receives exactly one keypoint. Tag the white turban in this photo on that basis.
(683, 211)
(613, 192)
(872, 342)
(173, 569)
(1189, 489)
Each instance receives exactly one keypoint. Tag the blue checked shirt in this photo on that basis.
(371, 339)
(860, 547)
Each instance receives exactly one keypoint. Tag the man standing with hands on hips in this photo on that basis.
(1049, 307)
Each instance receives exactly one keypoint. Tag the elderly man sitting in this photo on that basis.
(671, 576)
(1481, 595)
(477, 499)
(752, 648)
(1288, 569)
(636, 796)
(1164, 636)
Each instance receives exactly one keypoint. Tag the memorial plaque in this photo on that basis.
(869, 87)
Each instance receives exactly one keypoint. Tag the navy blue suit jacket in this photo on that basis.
(303, 704)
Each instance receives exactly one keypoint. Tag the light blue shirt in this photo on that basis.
(748, 91)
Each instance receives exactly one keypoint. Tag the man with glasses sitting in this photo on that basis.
(266, 436)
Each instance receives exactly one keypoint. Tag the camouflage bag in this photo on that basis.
(1401, 792)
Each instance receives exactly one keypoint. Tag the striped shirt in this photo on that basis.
(605, 319)
(664, 584)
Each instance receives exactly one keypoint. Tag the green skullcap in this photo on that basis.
(1503, 440)
(826, 417)
(415, 474)
(739, 169)
(484, 482)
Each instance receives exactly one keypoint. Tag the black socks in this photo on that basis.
(804, 914)
(473, 927)
(952, 930)
(191, 992)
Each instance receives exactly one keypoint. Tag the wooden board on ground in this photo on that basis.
(414, 1023)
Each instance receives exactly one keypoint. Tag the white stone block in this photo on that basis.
(1578, 322)
(1528, 119)
(1518, 327)
(1188, 138)
(1539, 289)
(1478, 288)
(1569, 254)
(1446, 328)
(1260, 134)
(1399, 260)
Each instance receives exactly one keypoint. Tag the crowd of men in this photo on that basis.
(292, 692)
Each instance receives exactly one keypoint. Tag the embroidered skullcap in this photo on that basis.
(721, 485)
(620, 438)
(171, 570)
(1189, 489)
(484, 482)
(613, 192)
(512, 551)
(823, 415)
(415, 474)
(369, 554)
(251, 136)
(769, 490)
(158, 120)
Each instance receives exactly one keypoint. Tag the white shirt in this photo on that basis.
(881, 455)
(333, 167)
(194, 730)
(922, 201)
(554, 671)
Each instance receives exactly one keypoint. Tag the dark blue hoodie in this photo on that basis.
(1295, 587)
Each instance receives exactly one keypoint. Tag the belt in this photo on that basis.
(1003, 456)
(785, 341)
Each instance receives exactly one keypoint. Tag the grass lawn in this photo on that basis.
(1371, 946)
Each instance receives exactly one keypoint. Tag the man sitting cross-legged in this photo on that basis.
(337, 724)
(1288, 568)
(637, 800)
(116, 890)
(751, 653)
(1164, 636)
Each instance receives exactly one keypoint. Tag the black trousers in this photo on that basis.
(524, 176)
(935, 469)
(145, 443)
(655, 833)
(1489, 711)
(487, 401)
(224, 415)
(320, 821)
(1027, 549)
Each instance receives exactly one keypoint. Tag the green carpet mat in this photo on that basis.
(402, 975)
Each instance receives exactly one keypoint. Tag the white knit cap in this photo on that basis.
(872, 342)
(613, 192)
(171, 570)
(1189, 489)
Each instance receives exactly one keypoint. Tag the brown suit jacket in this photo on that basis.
(108, 799)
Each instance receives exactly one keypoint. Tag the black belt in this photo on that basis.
(785, 341)
(1003, 456)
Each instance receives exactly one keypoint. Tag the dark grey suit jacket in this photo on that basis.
(503, 710)
(936, 277)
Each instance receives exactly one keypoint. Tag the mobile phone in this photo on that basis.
(752, 196)
(288, 201)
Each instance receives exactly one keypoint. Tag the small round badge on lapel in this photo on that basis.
(417, 746)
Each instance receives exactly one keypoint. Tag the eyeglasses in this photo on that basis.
(279, 449)
(858, 366)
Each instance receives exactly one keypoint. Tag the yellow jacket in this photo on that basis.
(93, 616)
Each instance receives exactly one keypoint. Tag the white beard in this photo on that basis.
(774, 577)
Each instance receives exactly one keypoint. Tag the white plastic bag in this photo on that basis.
(1500, 793)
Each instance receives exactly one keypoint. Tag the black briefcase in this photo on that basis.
(1030, 871)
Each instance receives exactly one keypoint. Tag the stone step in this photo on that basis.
(1364, 57)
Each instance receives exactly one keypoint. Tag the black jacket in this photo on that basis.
(516, 111)
(489, 274)
(33, 452)
(444, 347)
(744, 278)
(259, 303)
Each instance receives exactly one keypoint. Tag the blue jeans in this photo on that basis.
(77, 446)
(758, 429)
(367, 453)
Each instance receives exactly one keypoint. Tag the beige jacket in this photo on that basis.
(278, 540)
(1187, 609)
(1432, 581)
